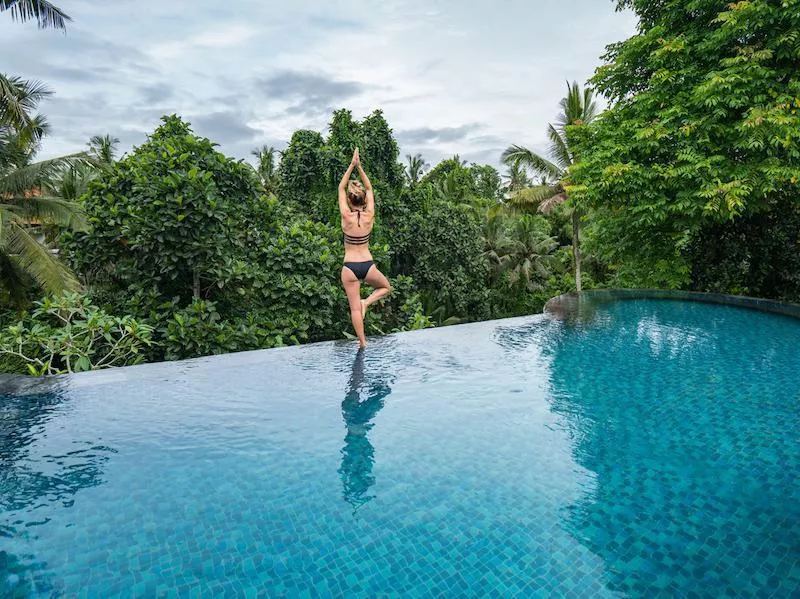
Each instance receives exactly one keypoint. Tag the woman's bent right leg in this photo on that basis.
(376, 279)
(352, 287)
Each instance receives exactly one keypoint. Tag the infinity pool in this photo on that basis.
(646, 448)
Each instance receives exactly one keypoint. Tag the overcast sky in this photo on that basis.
(452, 76)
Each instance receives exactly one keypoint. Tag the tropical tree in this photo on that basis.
(577, 108)
(700, 148)
(415, 168)
(73, 181)
(522, 250)
(266, 167)
(47, 15)
(18, 100)
(516, 178)
(103, 149)
(27, 195)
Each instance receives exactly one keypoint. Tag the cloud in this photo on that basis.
(428, 135)
(309, 94)
(153, 93)
(328, 23)
(219, 36)
(223, 127)
(462, 77)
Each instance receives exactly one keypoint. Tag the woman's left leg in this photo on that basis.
(379, 283)
(352, 287)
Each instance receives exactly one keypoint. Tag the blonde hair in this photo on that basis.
(356, 193)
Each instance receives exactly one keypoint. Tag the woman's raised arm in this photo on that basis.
(367, 187)
(343, 207)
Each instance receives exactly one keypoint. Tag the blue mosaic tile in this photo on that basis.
(648, 448)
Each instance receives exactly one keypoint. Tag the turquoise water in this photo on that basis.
(648, 448)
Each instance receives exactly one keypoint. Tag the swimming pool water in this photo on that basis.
(648, 448)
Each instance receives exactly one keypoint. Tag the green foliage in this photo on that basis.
(199, 330)
(312, 166)
(757, 255)
(302, 170)
(488, 184)
(169, 216)
(442, 248)
(578, 109)
(524, 263)
(29, 195)
(403, 310)
(414, 169)
(266, 167)
(705, 131)
(68, 334)
(379, 150)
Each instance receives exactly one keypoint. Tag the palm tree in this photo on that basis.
(18, 99)
(27, 198)
(521, 249)
(415, 168)
(266, 167)
(46, 14)
(72, 182)
(578, 107)
(517, 178)
(103, 149)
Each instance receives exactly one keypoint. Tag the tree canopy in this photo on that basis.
(704, 130)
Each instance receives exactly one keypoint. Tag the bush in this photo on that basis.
(168, 217)
(68, 334)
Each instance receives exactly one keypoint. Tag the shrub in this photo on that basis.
(67, 334)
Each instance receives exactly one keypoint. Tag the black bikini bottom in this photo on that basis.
(359, 269)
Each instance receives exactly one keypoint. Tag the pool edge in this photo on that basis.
(565, 303)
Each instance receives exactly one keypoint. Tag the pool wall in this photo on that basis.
(568, 302)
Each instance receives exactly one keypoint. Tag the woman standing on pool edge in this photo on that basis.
(357, 207)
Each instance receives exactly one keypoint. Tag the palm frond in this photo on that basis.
(531, 198)
(33, 176)
(103, 148)
(18, 146)
(49, 210)
(550, 203)
(523, 156)
(47, 15)
(33, 258)
(15, 283)
(577, 106)
(589, 105)
(559, 151)
(19, 98)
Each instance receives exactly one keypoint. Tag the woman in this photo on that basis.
(357, 207)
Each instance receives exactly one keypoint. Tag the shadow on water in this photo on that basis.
(684, 413)
(363, 400)
(33, 485)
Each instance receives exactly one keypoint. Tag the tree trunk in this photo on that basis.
(196, 284)
(576, 248)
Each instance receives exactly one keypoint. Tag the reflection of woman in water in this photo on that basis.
(358, 453)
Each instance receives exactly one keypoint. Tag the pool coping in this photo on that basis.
(24, 384)
(567, 302)
(556, 307)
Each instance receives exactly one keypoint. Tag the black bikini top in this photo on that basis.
(357, 239)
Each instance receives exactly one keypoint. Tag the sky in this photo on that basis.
(452, 76)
